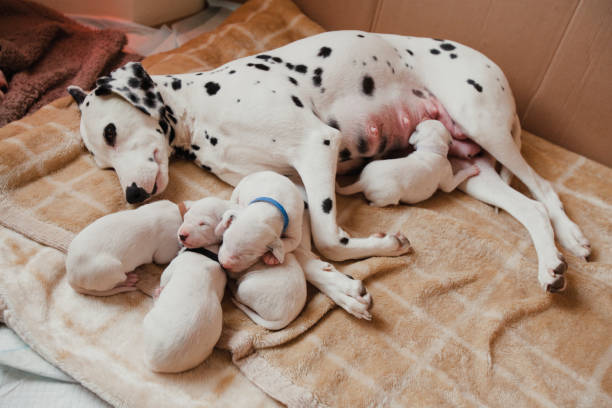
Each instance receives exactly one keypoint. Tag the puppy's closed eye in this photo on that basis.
(201, 224)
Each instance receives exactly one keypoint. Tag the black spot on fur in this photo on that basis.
(409, 52)
(447, 46)
(290, 65)
(418, 93)
(302, 69)
(213, 141)
(104, 80)
(263, 57)
(133, 98)
(360, 35)
(437, 39)
(318, 71)
(103, 90)
(143, 110)
(199, 73)
(345, 155)
(316, 80)
(333, 123)
(374, 57)
(277, 59)
(164, 125)
(362, 145)
(205, 167)
(176, 84)
(324, 52)
(212, 87)
(195, 147)
(367, 85)
(138, 70)
(475, 84)
(172, 135)
(297, 101)
(183, 153)
(110, 134)
(326, 142)
(453, 55)
(434, 51)
(344, 241)
(293, 81)
(327, 205)
(232, 72)
(263, 67)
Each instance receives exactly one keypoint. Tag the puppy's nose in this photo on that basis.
(135, 194)
(183, 236)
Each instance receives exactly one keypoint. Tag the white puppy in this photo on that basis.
(267, 222)
(200, 218)
(413, 178)
(272, 296)
(185, 323)
(101, 257)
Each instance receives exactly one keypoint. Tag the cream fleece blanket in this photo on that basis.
(462, 321)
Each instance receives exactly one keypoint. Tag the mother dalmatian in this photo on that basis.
(317, 106)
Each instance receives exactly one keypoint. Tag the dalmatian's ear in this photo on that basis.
(133, 84)
(78, 94)
(228, 217)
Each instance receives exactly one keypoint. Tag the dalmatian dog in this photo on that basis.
(321, 105)
(102, 257)
(413, 178)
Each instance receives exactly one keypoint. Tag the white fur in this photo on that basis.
(272, 296)
(105, 251)
(252, 230)
(413, 178)
(200, 221)
(185, 323)
(258, 127)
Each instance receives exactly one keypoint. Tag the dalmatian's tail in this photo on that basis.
(350, 189)
(505, 174)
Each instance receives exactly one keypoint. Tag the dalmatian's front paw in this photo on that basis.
(572, 239)
(348, 293)
(393, 244)
(551, 277)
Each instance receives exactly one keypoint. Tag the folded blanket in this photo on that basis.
(462, 321)
(42, 52)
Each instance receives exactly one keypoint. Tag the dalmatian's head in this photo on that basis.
(126, 126)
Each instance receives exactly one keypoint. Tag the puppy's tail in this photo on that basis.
(350, 189)
(268, 324)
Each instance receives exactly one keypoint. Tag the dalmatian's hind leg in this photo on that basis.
(316, 161)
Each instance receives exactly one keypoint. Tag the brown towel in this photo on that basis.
(42, 52)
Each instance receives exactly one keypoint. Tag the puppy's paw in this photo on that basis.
(394, 244)
(269, 259)
(551, 277)
(571, 238)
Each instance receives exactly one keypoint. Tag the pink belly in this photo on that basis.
(390, 128)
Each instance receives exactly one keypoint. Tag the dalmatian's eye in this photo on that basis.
(110, 134)
(202, 224)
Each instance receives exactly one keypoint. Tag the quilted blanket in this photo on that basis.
(461, 321)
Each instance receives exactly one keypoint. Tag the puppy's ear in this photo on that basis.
(277, 249)
(184, 206)
(77, 93)
(228, 217)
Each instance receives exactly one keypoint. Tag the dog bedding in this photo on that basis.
(461, 321)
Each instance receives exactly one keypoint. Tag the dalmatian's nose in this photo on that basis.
(183, 236)
(135, 194)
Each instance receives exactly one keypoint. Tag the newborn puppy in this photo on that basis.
(101, 257)
(415, 177)
(272, 296)
(200, 218)
(267, 222)
(186, 320)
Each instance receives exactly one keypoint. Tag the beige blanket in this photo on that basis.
(462, 321)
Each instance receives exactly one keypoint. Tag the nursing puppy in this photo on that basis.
(270, 295)
(267, 223)
(185, 323)
(101, 257)
(413, 178)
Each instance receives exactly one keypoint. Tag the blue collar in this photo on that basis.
(277, 205)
